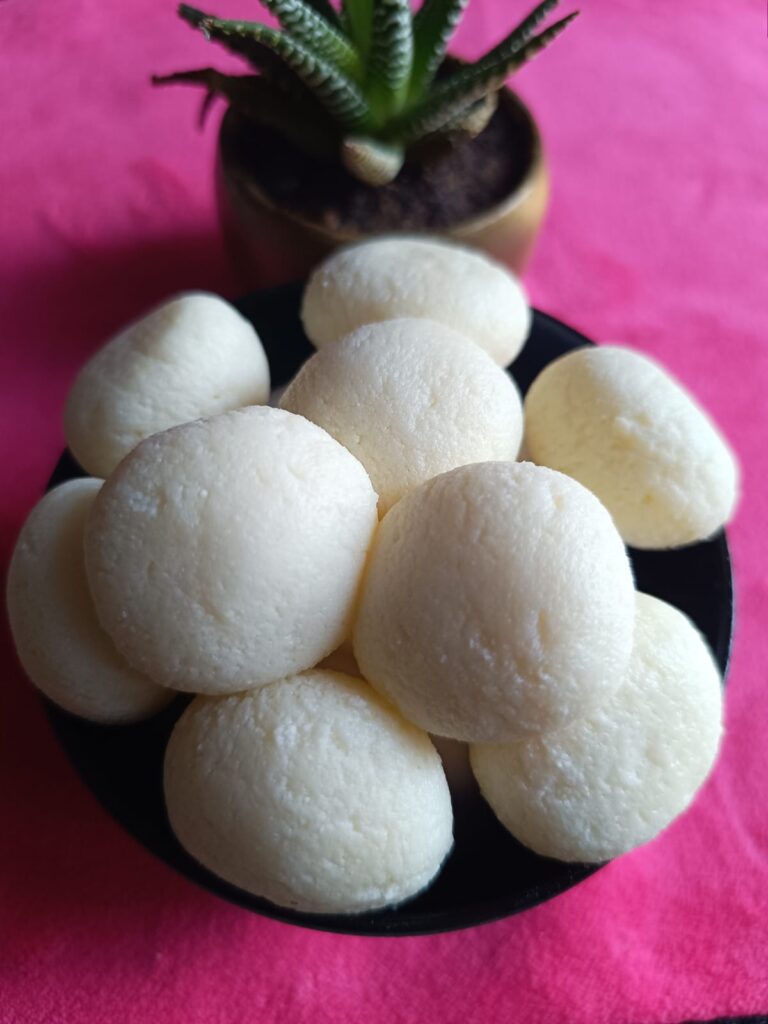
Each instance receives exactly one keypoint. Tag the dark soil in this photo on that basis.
(436, 192)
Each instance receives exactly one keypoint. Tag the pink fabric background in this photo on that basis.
(656, 122)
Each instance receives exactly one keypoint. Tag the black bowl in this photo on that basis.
(488, 875)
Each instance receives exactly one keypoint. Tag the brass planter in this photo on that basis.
(271, 245)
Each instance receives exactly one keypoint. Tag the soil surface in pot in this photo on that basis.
(435, 193)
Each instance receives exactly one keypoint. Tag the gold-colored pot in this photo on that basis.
(271, 245)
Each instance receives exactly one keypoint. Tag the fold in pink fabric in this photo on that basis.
(655, 119)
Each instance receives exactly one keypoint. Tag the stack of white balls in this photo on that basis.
(234, 550)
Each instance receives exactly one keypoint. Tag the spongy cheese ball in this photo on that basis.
(498, 602)
(454, 754)
(403, 276)
(410, 399)
(59, 641)
(193, 356)
(614, 779)
(227, 553)
(310, 792)
(620, 424)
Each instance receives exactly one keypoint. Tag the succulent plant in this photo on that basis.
(366, 84)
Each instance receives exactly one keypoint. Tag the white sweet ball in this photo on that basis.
(227, 553)
(193, 356)
(410, 399)
(498, 601)
(617, 422)
(403, 276)
(614, 779)
(454, 754)
(311, 792)
(58, 639)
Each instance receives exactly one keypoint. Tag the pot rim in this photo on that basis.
(535, 169)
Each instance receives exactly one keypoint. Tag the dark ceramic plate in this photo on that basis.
(488, 875)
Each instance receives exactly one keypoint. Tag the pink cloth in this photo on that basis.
(655, 119)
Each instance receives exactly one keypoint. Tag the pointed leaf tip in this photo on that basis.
(190, 13)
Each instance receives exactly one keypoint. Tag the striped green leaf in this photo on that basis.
(340, 96)
(433, 26)
(357, 22)
(312, 31)
(470, 84)
(519, 35)
(259, 99)
(324, 8)
(391, 56)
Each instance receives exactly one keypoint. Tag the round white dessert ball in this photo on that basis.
(401, 276)
(410, 399)
(311, 792)
(58, 639)
(227, 553)
(620, 424)
(498, 602)
(614, 779)
(193, 356)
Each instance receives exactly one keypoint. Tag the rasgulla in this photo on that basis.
(193, 356)
(618, 423)
(410, 399)
(59, 641)
(615, 778)
(393, 277)
(498, 602)
(310, 792)
(227, 553)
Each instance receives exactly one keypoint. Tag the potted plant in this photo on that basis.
(357, 124)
